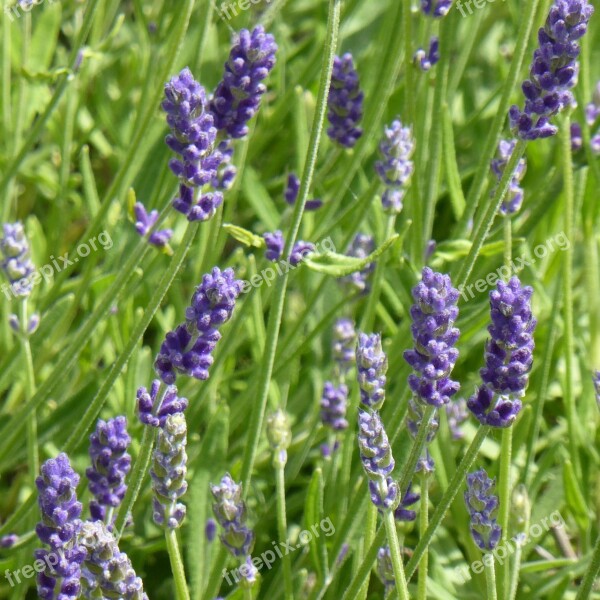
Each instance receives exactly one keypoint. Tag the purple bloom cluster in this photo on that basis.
(483, 508)
(9, 540)
(188, 349)
(377, 460)
(361, 246)
(291, 193)
(230, 512)
(274, 243)
(345, 102)
(508, 355)
(169, 468)
(193, 136)
(16, 263)
(343, 345)
(434, 335)
(300, 251)
(371, 364)
(226, 173)
(333, 406)
(237, 97)
(60, 524)
(144, 222)
(110, 465)
(395, 168)
(150, 413)
(436, 8)
(403, 513)
(107, 572)
(514, 197)
(425, 59)
(553, 71)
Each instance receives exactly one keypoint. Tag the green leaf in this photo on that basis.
(244, 236)
(574, 496)
(457, 197)
(340, 265)
(313, 515)
(258, 197)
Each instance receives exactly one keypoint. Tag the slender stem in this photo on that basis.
(32, 443)
(490, 579)
(507, 240)
(282, 528)
(392, 536)
(446, 500)
(181, 589)
(568, 215)
(423, 523)
(369, 536)
(591, 574)
(504, 501)
(514, 578)
(276, 311)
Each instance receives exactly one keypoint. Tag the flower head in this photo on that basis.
(514, 197)
(333, 406)
(375, 450)
(237, 97)
(483, 508)
(110, 465)
(436, 8)
(345, 102)
(274, 243)
(291, 193)
(385, 568)
(371, 364)
(403, 513)
(361, 246)
(300, 251)
(553, 71)
(425, 59)
(343, 345)
(144, 223)
(153, 414)
(16, 263)
(433, 356)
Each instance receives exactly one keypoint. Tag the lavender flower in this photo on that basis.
(110, 465)
(300, 251)
(150, 413)
(193, 136)
(553, 71)
(508, 355)
(514, 197)
(60, 524)
(188, 349)
(371, 364)
(483, 508)
(425, 59)
(16, 263)
(377, 460)
(210, 529)
(395, 168)
(345, 102)
(291, 194)
(333, 406)
(227, 171)
(436, 8)
(107, 572)
(274, 245)
(434, 334)
(145, 221)
(237, 97)
(385, 569)
(9, 540)
(576, 137)
(343, 345)
(402, 513)
(169, 468)
(361, 246)
(457, 414)
(230, 512)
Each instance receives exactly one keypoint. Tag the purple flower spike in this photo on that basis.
(345, 102)
(384, 494)
(361, 246)
(227, 171)
(230, 511)
(291, 194)
(371, 364)
(333, 406)
(343, 346)
(395, 168)
(483, 508)
(375, 450)
(169, 468)
(436, 8)
(237, 97)
(110, 465)
(434, 335)
(300, 251)
(145, 221)
(508, 355)
(16, 263)
(427, 59)
(402, 513)
(147, 401)
(553, 71)
(59, 527)
(514, 197)
(274, 245)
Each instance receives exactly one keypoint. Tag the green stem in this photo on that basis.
(369, 536)
(590, 575)
(32, 443)
(282, 528)
(276, 311)
(490, 579)
(504, 501)
(181, 589)
(515, 571)
(392, 536)
(423, 523)
(446, 500)
(568, 215)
